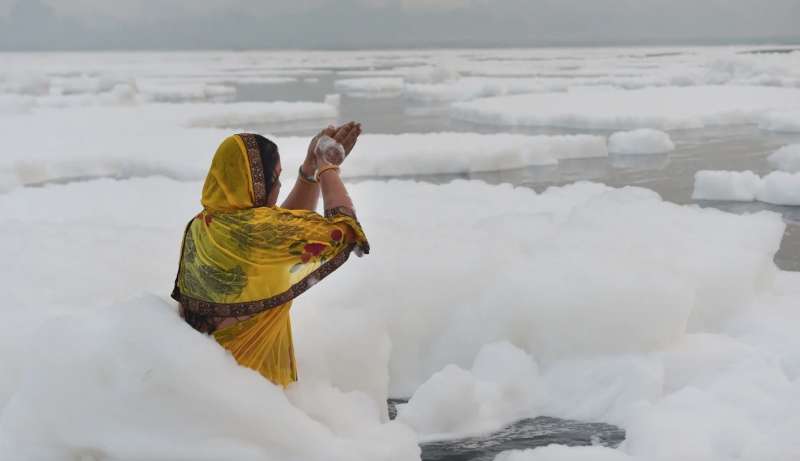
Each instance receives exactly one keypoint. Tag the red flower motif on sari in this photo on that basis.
(336, 235)
(314, 248)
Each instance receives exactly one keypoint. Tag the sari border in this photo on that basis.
(208, 308)
(256, 169)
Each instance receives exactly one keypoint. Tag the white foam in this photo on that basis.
(783, 121)
(780, 188)
(159, 140)
(370, 87)
(135, 382)
(777, 188)
(662, 108)
(250, 113)
(14, 104)
(641, 141)
(161, 91)
(498, 390)
(456, 153)
(739, 186)
(787, 158)
(496, 259)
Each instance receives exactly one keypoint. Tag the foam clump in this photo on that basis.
(787, 121)
(248, 113)
(641, 141)
(609, 108)
(787, 158)
(578, 302)
(184, 152)
(739, 186)
(777, 187)
(135, 382)
(15, 104)
(456, 153)
(371, 87)
(499, 389)
(780, 188)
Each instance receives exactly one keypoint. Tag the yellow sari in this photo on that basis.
(242, 262)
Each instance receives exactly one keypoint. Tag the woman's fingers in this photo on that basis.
(343, 131)
(351, 139)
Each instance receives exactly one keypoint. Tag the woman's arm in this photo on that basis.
(305, 193)
(334, 194)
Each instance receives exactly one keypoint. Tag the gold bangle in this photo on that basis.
(326, 168)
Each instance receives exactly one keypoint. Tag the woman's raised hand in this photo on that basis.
(310, 163)
(347, 135)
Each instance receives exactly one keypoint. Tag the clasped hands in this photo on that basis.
(346, 135)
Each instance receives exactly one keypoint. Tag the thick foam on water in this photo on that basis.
(483, 304)
(641, 141)
(582, 302)
(778, 187)
(787, 158)
(783, 121)
(370, 87)
(608, 108)
(178, 140)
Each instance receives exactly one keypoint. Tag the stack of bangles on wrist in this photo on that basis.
(326, 168)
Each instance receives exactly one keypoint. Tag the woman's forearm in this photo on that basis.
(334, 193)
(304, 195)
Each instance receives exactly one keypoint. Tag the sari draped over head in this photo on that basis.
(243, 262)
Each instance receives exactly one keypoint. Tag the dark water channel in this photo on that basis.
(524, 434)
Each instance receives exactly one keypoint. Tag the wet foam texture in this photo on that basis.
(641, 141)
(552, 321)
(655, 107)
(778, 187)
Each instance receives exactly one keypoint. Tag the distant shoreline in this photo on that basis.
(762, 46)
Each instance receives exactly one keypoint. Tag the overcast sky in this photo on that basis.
(170, 24)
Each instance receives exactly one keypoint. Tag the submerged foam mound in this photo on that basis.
(777, 188)
(608, 108)
(641, 141)
(580, 302)
(787, 158)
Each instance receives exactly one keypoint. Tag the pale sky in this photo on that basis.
(151, 24)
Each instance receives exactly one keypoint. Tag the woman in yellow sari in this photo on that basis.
(244, 259)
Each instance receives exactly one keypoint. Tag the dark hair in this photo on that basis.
(269, 158)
